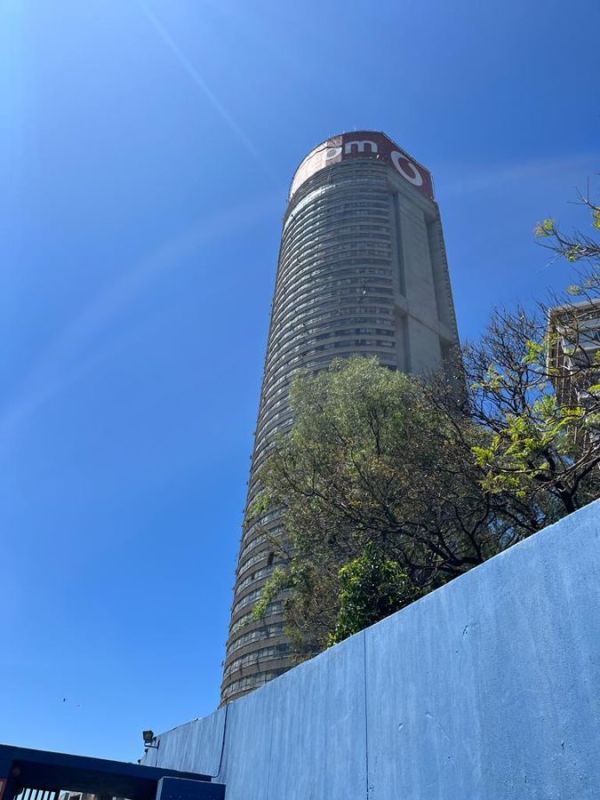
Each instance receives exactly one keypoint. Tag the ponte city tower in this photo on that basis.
(362, 270)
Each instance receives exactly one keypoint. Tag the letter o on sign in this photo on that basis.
(332, 152)
(406, 168)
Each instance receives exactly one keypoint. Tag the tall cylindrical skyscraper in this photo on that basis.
(362, 270)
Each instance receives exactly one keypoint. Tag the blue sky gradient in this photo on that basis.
(146, 151)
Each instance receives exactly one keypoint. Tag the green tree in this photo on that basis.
(371, 587)
(534, 386)
(371, 461)
(537, 453)
(580, 248)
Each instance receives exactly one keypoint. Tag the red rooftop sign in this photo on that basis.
(363, 144)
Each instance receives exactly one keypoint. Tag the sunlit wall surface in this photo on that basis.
(362, 270)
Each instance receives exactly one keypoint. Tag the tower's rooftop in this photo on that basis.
(372, 145)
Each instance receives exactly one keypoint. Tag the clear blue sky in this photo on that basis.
(146, 149)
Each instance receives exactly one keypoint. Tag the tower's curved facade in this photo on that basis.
(362, 270)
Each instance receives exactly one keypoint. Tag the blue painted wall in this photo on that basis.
(487, 689)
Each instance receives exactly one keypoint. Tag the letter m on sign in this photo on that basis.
(360, 147)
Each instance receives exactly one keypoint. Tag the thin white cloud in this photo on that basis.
(466, 178)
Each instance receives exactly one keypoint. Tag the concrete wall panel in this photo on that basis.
(319, 725)
(486, 687)
(195, 746)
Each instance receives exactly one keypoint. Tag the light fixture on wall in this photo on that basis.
(149, 739)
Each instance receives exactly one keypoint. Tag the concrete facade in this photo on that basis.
(362, 270)
(486, 689)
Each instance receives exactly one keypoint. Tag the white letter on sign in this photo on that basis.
(360, 146)
(402, 163)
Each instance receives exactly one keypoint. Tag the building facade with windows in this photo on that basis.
(574, 350)
(362, 270)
